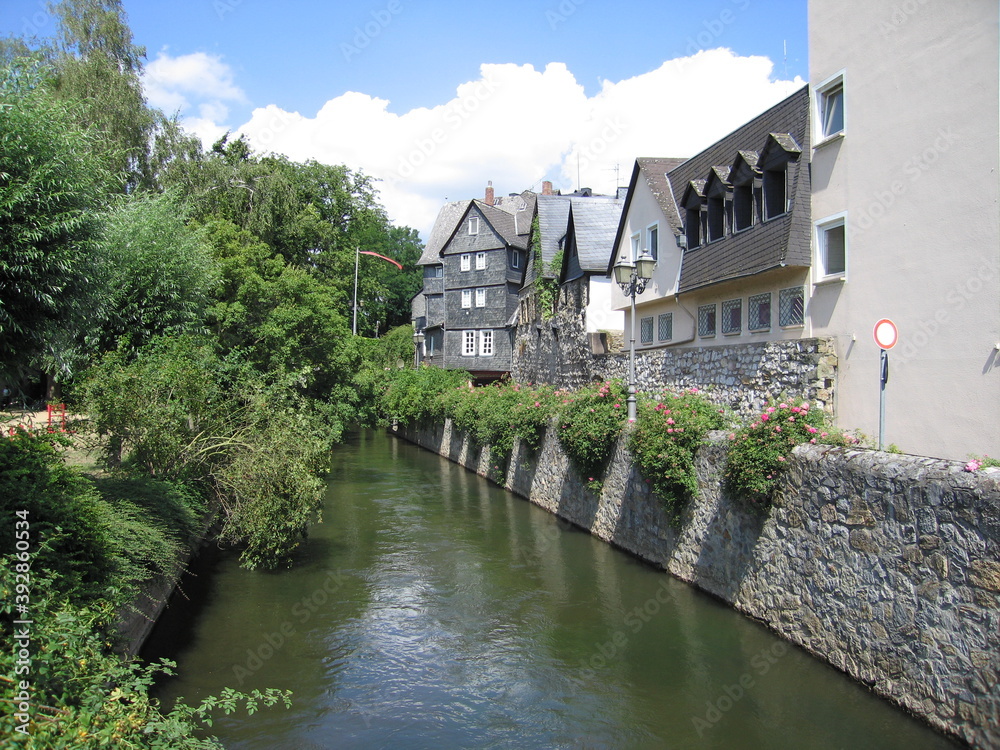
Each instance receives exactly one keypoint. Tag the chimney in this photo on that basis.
(547, 187)
(490, 200)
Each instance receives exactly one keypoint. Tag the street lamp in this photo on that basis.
(418, 341)
(632, 278)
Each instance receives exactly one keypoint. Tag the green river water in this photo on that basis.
(431, 609)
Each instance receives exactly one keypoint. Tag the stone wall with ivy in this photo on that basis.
(886, 566)
(741, 376)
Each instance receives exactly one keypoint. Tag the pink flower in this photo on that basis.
(812, 430)
(618, 406)
(791, 419)
(631, 421)
(974, 465)
(782, 406)
(770, 410)
(764, 417)
(777, 429)
(781, 458)
(670, 420)
(537, 403)
(813, 441)
(732, 435)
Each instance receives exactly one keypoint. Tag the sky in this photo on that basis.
(434, 99)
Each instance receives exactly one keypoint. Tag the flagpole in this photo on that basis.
(357, 256)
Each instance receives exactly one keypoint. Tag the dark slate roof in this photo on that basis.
(593, 224)
(783, 241)
(512, 219)
(444, 226)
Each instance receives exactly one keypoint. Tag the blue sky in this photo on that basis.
(434, 99)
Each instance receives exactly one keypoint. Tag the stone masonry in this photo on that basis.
(886, 566)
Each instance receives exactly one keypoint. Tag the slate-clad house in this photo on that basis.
(583, 284)
(730, 228)
(473, 264)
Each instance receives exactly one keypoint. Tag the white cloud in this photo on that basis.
(194, 82)
(516, 125)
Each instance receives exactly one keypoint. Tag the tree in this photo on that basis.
(98, 66)
(52, 186)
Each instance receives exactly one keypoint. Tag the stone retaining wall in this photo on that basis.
(886, 566)
(740, 376)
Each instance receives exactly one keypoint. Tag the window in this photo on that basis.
(716, 218)
(429, 345)
(466, 298)
(732, 316)
(473, 225)
(743, 206)
(480, 261)
(706, 320)
(830, 102)
(465, 261)
(469, 344)
(775, 199)
(433, 272)
(831, 246)
(486, 343)
(759, 312)
(480, 297)
(791, 306)
(646, 330)
(635, 247)
(515, 259)
(692, 227)
(653, 241)
(665, 327)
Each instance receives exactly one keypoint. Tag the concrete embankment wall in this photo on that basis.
(886, 566)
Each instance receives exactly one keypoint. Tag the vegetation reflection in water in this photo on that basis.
(433, 610)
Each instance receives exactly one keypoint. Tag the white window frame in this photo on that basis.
(480, 261)
(473, 225)
(653, 240)
(821, 243)
(466, 299)
(465, 262)
(481, 297)
(636, 240)
(823, 92)
(515, 259)
(486, 343)
(468, 343)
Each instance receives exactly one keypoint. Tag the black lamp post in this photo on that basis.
(632, 278)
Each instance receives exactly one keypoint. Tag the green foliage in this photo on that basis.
(99, 539)
(178, 411)
(158, 272)
(51, 186)
(667, 434)
(546, 280)
(83, 695)
(416, 396)
(590, 421)
(759, 451)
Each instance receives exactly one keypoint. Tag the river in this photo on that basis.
(431, 609)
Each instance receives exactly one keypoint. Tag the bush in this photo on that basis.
(416, 396)
(759, 452)
(666, 437)
(590, 422)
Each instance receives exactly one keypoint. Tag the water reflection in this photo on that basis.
(431, 610)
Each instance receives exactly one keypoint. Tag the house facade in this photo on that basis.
(905, 216)
(729, 229)
(473, 265)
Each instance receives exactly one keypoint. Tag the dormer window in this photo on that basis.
(780, 150)
(716, 218)
(694, 216)
(743, 206)
(775, 193)
(692, 226)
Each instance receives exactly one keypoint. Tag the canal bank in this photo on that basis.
(885, 566)
(433, 609)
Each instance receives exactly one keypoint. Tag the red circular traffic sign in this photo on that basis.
(885, 334)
